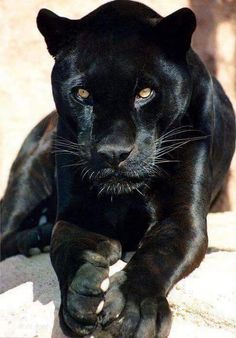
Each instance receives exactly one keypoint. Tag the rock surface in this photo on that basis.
(204, 304)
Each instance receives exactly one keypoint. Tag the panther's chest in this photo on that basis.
(129, 218)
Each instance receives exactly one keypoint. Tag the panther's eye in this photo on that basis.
(145, 93)
(82, 93)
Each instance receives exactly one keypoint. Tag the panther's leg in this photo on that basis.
(27, 242)
(30, 183)
(169, 251)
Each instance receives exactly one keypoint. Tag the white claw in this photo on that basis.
(100, 307)
(105, 284)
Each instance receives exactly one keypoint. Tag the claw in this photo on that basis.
(105, 285)
(100, 307)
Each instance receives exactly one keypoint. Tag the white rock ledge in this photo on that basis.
(204, 304)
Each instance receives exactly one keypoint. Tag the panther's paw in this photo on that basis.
(28, 242)
(83, 300)
(127, 314)
(33, 241)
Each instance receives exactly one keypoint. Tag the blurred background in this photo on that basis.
(25, 66)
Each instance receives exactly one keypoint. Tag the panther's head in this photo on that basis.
(120, 80)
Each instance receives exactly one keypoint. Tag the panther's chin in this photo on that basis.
(115, 186)
(118, 188)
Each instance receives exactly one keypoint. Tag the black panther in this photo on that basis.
(131, 161)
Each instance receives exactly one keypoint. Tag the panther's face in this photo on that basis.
(118, 88)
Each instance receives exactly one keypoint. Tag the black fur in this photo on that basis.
(131, 174)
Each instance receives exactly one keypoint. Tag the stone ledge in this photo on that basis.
(204, 304)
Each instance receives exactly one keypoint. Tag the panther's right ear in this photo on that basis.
(55, 29)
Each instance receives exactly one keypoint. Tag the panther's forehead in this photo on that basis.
(114, 50)
(108, 62)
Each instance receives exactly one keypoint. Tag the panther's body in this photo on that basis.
(138, 149)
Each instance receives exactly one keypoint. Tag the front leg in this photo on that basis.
(169, 251)
(81, 260)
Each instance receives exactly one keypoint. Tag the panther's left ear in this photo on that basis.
(175, 31)
(57, 30)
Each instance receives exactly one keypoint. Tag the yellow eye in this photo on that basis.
(145, 93)
(83, 93)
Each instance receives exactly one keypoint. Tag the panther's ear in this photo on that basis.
(175, 31)
(55, 29)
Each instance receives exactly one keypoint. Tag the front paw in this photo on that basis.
(130, 314)
(84, 298)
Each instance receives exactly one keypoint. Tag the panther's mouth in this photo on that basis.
(117, 184)
(118, 188)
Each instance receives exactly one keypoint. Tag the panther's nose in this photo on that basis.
(114, 155)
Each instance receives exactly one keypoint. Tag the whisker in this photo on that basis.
(80, 163)
(101, 190)
(167, 161)
(85, 173)
(167, 149)
(182, 139)
(64, 143)
(61, 138)
(85, 168)
(64, 151)
(174, 131)
(139, 192)
(177, 131)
